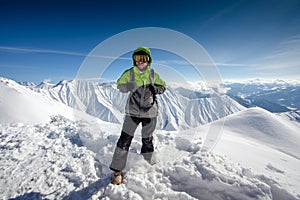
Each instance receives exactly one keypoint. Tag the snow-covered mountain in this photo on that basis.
(21, 104)
(256, 156)
(180, 108)
(292, 115)
(275, 96)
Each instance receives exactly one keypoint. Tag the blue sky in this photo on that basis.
(49, 40)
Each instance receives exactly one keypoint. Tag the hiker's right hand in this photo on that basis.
(131, 86)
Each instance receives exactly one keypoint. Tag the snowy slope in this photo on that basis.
(267, 144)
(20, 104)
(268, 128)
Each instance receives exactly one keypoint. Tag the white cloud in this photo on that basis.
(235, 65)
(48, 80)
(282, 61)
(287, 52)
(30, 50)
(218, 64)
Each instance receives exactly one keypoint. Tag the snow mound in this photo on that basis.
(263, 126)
(267, 144)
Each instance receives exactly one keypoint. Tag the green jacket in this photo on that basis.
(141, 100)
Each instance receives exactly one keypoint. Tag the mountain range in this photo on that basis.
(274, 96)
(180, 108)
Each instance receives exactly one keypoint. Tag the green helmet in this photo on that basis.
(142, 51)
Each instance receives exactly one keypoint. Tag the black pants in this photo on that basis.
(130, 124)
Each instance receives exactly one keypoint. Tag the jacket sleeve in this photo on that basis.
(123, 81)
(159, 84)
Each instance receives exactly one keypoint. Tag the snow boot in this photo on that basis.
(117, 178)
(151, 162)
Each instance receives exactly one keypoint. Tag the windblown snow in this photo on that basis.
(52, 151)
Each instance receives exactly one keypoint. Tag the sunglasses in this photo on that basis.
(141, 58)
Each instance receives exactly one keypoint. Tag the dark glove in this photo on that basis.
(127, 87)
(157, 89)
(131, 86)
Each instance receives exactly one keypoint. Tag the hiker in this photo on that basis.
(143, 84)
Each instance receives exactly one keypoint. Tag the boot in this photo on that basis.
(151, 162)
(117, 178)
